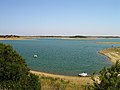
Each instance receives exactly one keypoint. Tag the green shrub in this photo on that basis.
(109, 78)
(14, 74)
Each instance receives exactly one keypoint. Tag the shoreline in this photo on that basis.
(28, 38)
(21, 38)
(113, 54)
(74, 79)
(107, 42)
(64, 38)
(78, 38)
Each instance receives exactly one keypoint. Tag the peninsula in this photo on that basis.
(112, 53)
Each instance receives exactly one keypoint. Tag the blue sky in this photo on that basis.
(60, 17)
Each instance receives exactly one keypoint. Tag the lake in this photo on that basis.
(65, 57)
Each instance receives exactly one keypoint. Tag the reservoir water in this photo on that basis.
(65, 57)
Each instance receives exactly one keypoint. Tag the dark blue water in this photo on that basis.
(66, 57)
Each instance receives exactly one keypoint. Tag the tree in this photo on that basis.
(109, 78)
(14, 74)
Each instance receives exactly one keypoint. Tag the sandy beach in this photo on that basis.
(113, 54)
(21, 38)
(107, 42)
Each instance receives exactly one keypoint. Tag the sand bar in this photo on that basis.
(21, 38)
(107, 42)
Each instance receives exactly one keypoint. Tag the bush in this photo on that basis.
(109, 78)
(14, 74)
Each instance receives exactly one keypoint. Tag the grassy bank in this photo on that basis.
(61, 82)
(112, 53)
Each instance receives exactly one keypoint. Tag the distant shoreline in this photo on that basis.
(107, 42)
(76, 37)
(57, 37)
(29, 38)
(20, 38)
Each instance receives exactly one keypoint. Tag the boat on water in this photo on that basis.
(83, 74)
(35, 56)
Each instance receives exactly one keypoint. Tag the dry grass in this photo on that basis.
(60, 82)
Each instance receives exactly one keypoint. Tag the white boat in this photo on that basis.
(35, 56)
(83, 74)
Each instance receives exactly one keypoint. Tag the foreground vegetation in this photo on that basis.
(14, 74)
(109, 78)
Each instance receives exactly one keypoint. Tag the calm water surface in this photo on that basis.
(66, 57)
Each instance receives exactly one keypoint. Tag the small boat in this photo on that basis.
(35, 56)
(83, 74)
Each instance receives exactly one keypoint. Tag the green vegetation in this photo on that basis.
(14, 74)
(77, 36)
(9, 36)
(109, 78)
